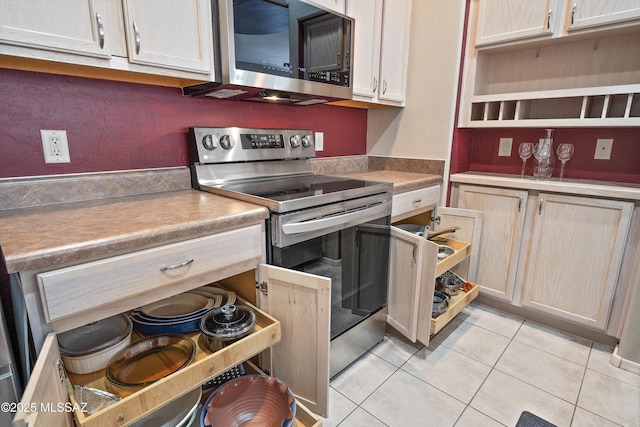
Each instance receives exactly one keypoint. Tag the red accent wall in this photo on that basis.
(118, 126)
(624, 165)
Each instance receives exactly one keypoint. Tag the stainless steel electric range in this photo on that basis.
(331, 226)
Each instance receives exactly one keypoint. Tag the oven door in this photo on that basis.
(355, 255)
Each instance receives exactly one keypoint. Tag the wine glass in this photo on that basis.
(525, 151)
(564, 153)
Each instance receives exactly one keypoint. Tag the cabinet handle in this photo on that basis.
(520, 204)
(415, 253)
(573, 13)
(416, 203)
(549, 19)
(384, 86)
(540, 206)
(375, 85)
(136, 32)
(100, 30)
(338, 58)
(176, 266)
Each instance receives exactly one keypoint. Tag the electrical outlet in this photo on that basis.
(319, 137)
(603, 149)
(505, 147)
(55, 146)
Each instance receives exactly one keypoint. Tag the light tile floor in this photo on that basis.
(484, 369)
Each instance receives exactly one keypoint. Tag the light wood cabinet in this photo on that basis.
(125, 35)
(413, 268)
(381, 50)
(503, 224)
(304, 323)
(555, 254)
(593, 13)
(553, 63)
(500, 20)
(574, 257)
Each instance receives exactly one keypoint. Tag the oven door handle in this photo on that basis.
(369, 213)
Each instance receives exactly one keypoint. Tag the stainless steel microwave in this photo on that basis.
(290, 50)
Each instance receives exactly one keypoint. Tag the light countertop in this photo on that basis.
(613, 190)
(402, 181)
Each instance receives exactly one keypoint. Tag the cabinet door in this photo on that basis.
(500, 20)
(176, 35)
(503, 213)
(367, 37)
(394, 51)
(302, 304)
(470, 223)
(45, 390)
(69, 26)
(409, 271)
(575, 255)
(592, 13)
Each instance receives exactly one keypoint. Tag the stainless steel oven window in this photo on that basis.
(357, 261)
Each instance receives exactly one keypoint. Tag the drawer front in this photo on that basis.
(81, 288)
(414, 202)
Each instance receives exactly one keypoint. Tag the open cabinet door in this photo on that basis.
(45, 391)
(302, 304)
(407, 270)
(470, 223)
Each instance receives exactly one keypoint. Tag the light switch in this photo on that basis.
(505, 147)
(603, 149)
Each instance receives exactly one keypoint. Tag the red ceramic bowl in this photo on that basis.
(254, 399)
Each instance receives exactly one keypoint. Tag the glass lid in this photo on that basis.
(95, 336)
(229, 321)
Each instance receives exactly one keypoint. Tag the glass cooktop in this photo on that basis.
(283, 194)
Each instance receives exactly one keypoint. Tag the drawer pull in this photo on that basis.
(417, 202)
(176, 266)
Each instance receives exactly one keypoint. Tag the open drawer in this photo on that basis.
(456, 304)
(47, 402)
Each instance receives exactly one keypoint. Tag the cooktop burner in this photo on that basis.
(281, 189)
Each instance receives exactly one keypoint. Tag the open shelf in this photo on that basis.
(570, 83)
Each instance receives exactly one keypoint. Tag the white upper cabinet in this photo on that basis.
(593, 13)
(172, 39)
(366, 47)
(70, 26)
(381, 50)
(500, 20)
(176, 35)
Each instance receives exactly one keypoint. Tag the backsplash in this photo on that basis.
(624, 165)
(120, 126)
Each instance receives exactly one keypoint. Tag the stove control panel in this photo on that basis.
(223, 145)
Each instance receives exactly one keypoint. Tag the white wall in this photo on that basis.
(424, 127)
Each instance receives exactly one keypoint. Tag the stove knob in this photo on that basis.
(226, 142)
(210, 142)
(306, 141)
(295, 141)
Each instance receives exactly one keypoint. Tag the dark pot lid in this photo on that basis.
(228, 321)
(94, 337)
